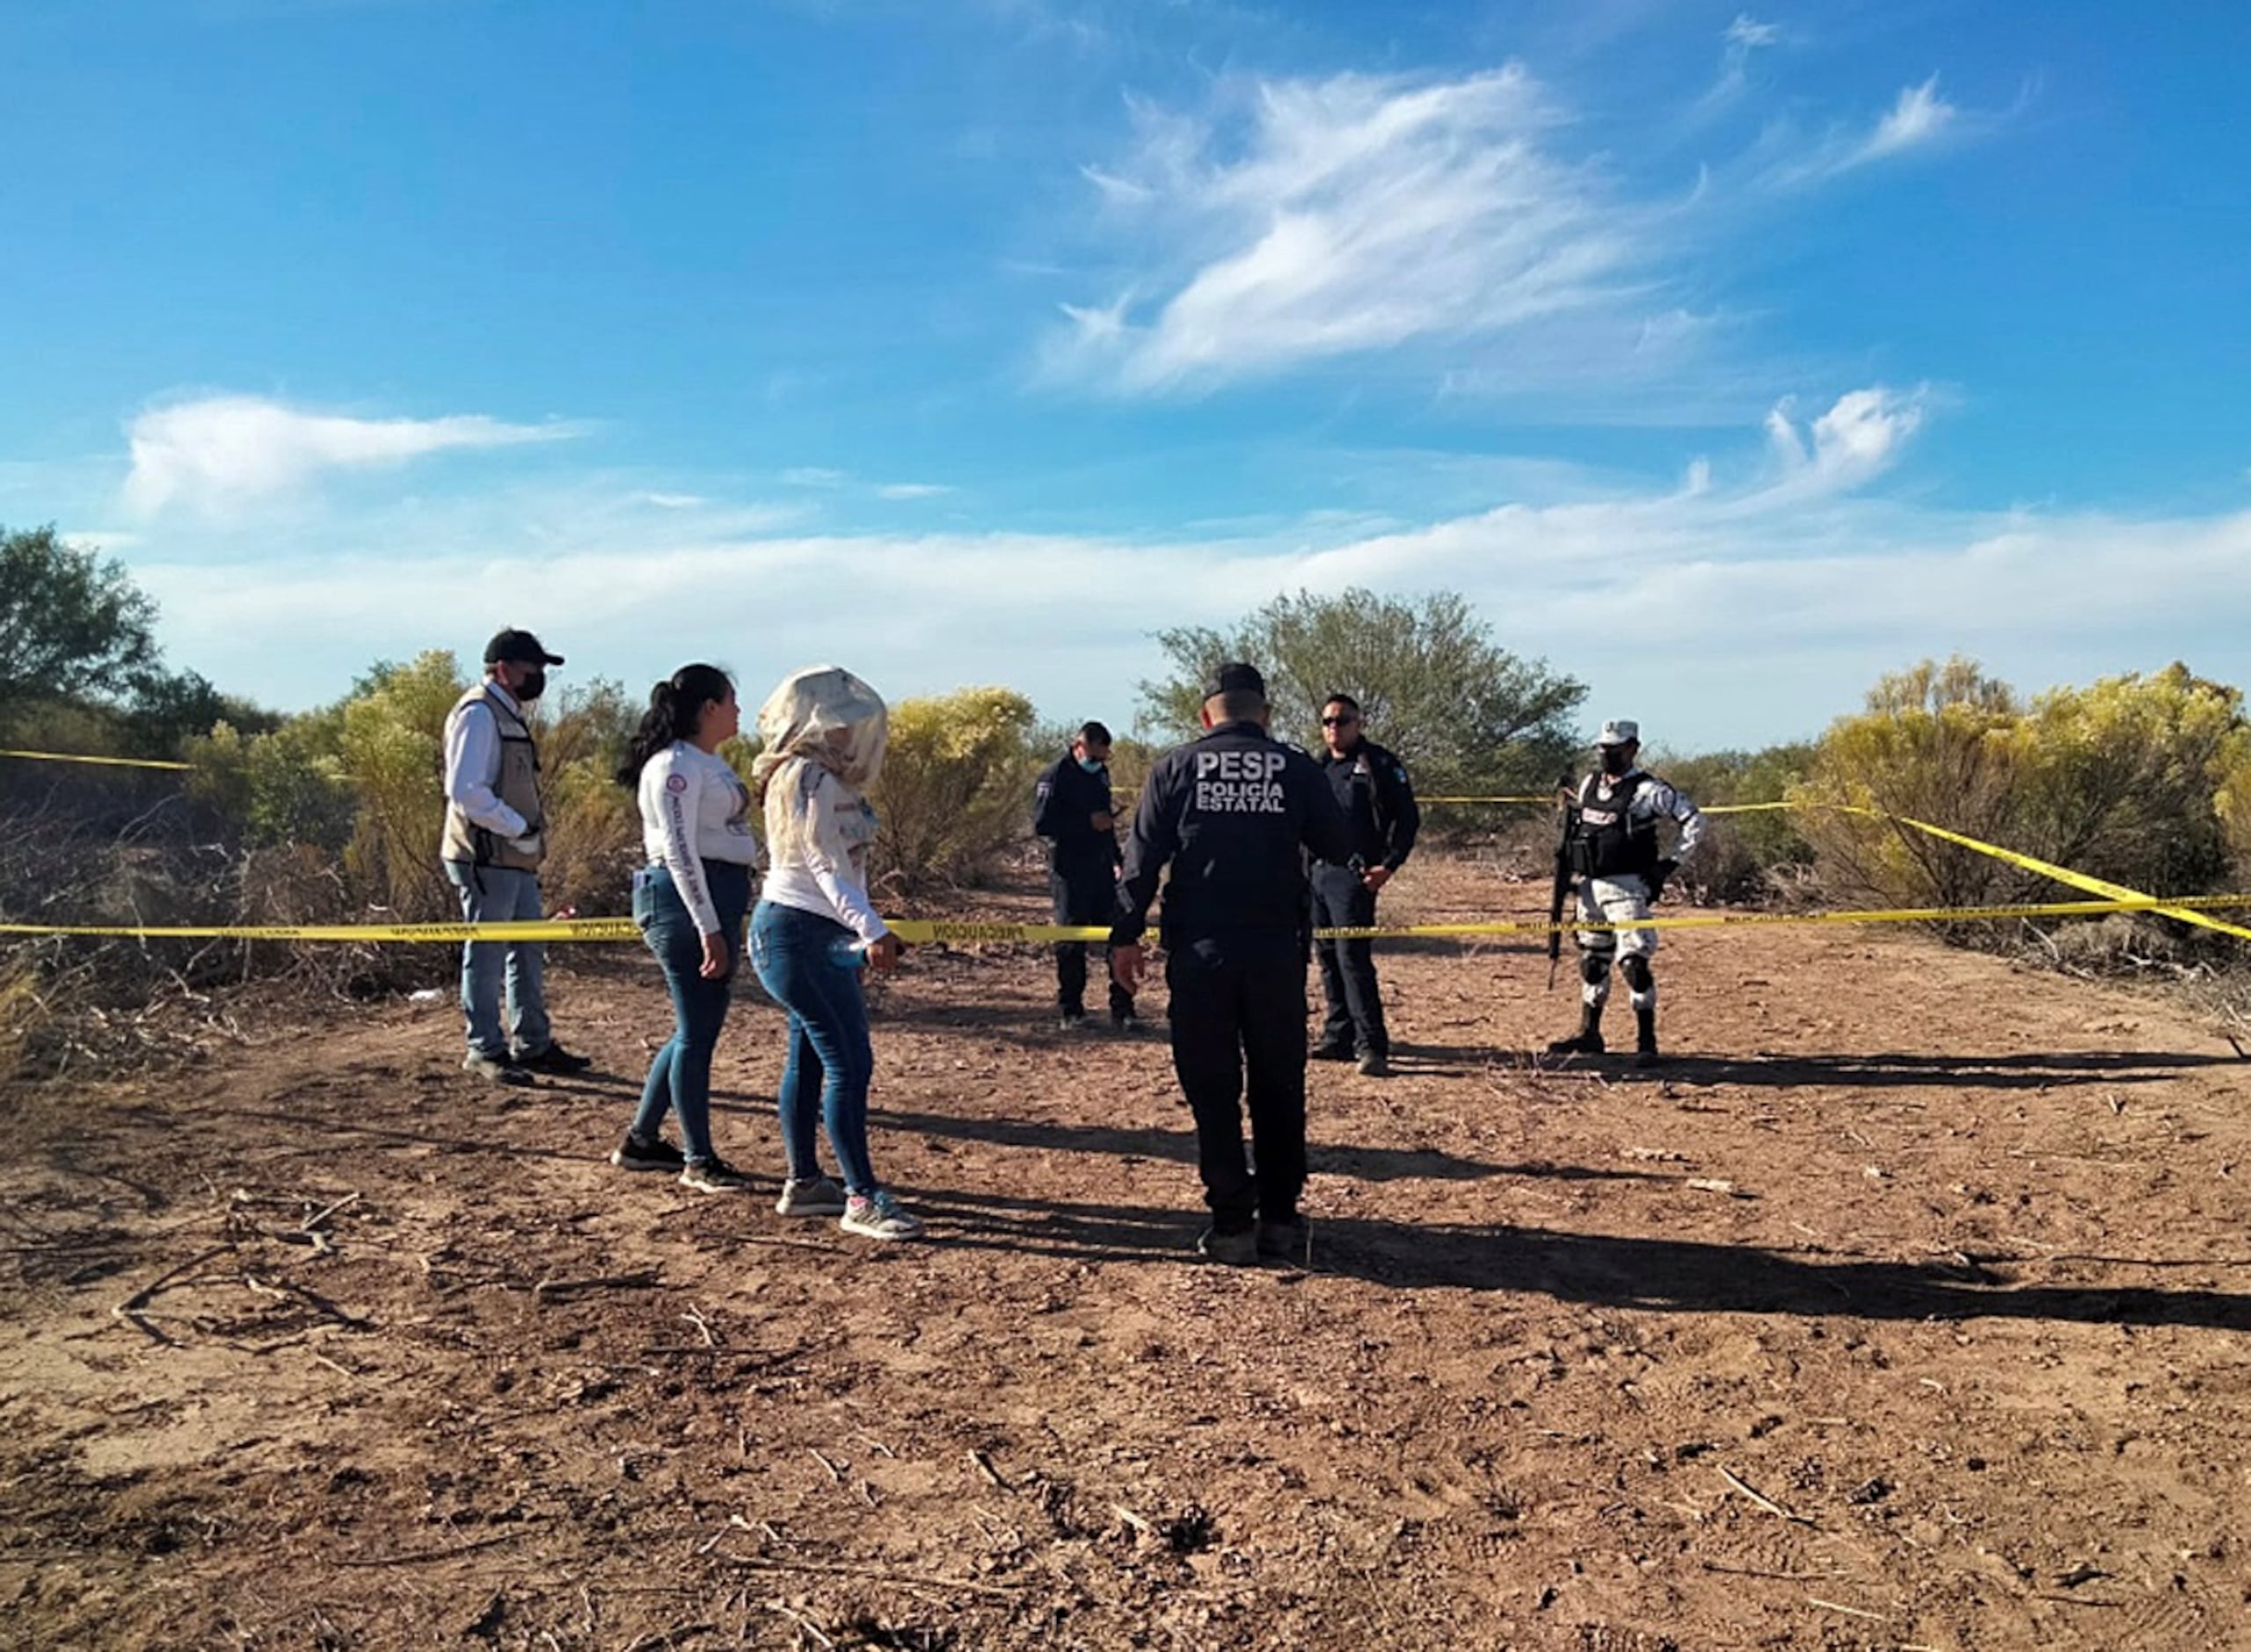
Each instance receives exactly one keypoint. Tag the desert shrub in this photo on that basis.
(2138, 779)
(954, 796)
(593, 825)
(1745, 857)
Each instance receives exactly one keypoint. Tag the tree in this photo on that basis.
(71, 624)
(1461, 711)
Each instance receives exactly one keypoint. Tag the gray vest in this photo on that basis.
(517, 785)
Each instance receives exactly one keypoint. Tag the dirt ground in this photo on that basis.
(1907, 1307)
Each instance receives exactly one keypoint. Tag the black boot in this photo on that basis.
(1645, 1050)
(1588, 1040)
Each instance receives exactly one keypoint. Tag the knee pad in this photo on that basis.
(1594, 968)
(1635, 969)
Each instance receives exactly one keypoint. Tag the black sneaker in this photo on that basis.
(1071, 1021)
(714, 1175)
(1583, 1043)
(1375, 1065)
(633, 1153)
(1126, 1026)
(500, 1069)
(1290, 1242)
(555, 1061)
(1237, 1250)
(1331, 1052)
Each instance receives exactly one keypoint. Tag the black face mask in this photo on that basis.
(534, 685)
(1616, 760)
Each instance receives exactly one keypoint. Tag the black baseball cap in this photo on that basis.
(1234, 677)
(520, 648)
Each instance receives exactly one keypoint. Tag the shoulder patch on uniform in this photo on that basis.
(675, 782)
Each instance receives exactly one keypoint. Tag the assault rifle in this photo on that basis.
(1567, 815)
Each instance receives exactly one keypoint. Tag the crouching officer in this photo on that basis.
(1071, 812)
(1610, 844)
(1234, 814)
(1371, 788)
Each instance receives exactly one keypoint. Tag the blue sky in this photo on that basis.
(1726, 356)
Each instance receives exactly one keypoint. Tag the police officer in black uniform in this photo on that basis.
(1371, 788)
(1071, 811)
(1234, 814)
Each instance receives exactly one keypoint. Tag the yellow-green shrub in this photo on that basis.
(954, 796)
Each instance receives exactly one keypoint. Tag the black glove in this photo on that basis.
(1665, 871)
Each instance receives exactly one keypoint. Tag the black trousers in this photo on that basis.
(1238, 1026)
(1083, 895)
(1341, 901)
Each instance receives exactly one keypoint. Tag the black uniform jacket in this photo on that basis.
(1233, 813)
(1372, 789)
(1063, 808)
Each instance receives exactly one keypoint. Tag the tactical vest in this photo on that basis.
(1607, 842)
(517, 786)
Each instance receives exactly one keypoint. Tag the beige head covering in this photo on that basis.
(823, 715)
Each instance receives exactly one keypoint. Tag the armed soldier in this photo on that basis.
(1610, 847)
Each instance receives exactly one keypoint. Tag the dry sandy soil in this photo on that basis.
(1907, 1308)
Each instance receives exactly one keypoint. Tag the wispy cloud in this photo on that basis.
(1304, 220)
(913, 491)
(220, 453)
(1920, 119)
(1739, 41)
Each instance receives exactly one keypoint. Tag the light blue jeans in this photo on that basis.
(499, 894)
(809, 965)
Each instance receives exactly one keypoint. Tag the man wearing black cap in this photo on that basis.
(494, 841)
(1235, 814)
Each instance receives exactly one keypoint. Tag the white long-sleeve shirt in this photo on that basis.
(473, 765)
(695, 808)
(821, 864)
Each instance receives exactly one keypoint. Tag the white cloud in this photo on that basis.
(220, 453)
(1859, 437)
(1918, 119)
(1920, 116)
(913, 491)
(1740, 38)
(1752, 598)
(814, 475)
(1313, 219)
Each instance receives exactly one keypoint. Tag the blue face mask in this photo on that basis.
(1090, 765)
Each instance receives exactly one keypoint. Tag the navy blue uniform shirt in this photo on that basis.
(1372, 789)
(1234, 814)
(1063, 808)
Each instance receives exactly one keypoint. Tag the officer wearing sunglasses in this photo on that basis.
(1373, 790)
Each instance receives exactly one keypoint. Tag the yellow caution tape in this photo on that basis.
(532, 929)
(2185, 911)
(926, 932)
(115, 762)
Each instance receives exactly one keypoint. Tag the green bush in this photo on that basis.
(1746, 857)
(2140, 779)
(954, 796)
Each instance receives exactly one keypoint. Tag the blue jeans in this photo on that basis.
(499, 894)
(680, 1077)
(805, 961)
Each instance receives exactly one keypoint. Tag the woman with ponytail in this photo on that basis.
(689, 901)
(824, 732)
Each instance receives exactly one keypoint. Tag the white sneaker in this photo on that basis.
(878, 1215)
(810, 1195)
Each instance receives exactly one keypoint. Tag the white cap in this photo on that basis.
(1619, 732)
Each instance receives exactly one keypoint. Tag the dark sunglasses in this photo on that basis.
(1338, 723)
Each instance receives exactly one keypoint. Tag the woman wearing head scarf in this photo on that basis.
(689, 901)
(824, 732)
